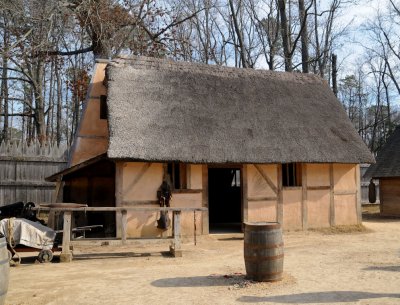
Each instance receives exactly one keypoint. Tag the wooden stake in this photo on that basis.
(66, 254)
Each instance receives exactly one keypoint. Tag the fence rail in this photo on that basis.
(66, 254)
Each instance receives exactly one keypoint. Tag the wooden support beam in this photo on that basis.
(358, 194)
(119, 169)
(262, 198)
(266, 178)
(66, 254)
(331, 196)
(175, 248)
(245, 199)
(205, 217)
(279, 206)
(124, 226)
(319, 188)
(304, 204)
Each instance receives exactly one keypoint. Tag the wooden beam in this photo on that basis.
(245, 199)
(319, 188)
(175, 248)
(66, 254)
(279, 206)
(124, 226)
(262, 198)
(331, 196)
(266, 178)
(120, 209)
(304, 203)
(119, 183)
(204, 199)
(358, 194)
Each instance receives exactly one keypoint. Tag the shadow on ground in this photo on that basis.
(88, 256)
(328, 297)
(383, 268)
(199, 281)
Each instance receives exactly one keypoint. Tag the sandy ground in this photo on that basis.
(320, 268)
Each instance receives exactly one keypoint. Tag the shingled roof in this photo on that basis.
(161, 110)
(388, 159)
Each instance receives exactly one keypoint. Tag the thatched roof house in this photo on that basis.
(247, 144)
(177, 111)
(387, 170)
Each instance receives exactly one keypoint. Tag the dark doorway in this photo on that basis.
(95, 186)
(224, 200)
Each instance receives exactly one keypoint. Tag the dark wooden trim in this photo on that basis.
(204, 180)
(331, 196)
(244, 188)
(318, 188)
(187, 191)
(266, 178)
(262, 198)
(304, 203)
(279, 206)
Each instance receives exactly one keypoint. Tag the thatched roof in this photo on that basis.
(160, 110)
(388, 159)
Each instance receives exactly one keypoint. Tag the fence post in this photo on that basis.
(123, 226)
(175, 248)
(66, 254)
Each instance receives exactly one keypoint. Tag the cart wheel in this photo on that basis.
(45, 256)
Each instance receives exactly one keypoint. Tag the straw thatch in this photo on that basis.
(160, 110)
(388, 159)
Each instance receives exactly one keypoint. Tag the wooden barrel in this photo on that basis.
(4, 270)
(263, 251)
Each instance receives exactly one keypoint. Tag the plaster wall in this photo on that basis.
(260, 196)
(92, 136)
(292, 198)
(140, 182)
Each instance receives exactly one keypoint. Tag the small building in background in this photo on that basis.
(249, 145)
(387, 170)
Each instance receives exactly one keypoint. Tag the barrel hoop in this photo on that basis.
(262, 227)
(4, 261)
(263, 258)
(255, 246)
(264, 273)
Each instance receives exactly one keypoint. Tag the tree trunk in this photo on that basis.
(334, 74)
(285, 35)
(304, 37)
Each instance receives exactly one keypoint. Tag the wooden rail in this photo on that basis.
(66, 254)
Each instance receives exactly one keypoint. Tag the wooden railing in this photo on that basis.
(175, 248)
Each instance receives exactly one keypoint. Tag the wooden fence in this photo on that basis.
(23, 169)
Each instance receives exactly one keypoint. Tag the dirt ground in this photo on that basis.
(320, 268)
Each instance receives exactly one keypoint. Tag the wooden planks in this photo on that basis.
(23, 170)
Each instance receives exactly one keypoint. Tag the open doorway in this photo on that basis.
(225, 200)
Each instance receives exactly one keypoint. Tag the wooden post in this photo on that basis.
(245, 202)
(358, 194)
(176, 249)
(119, 169)
(66, 254)
(304, 206)
(205, 220)
(123, 226)
(279, 207)
(331, 196)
